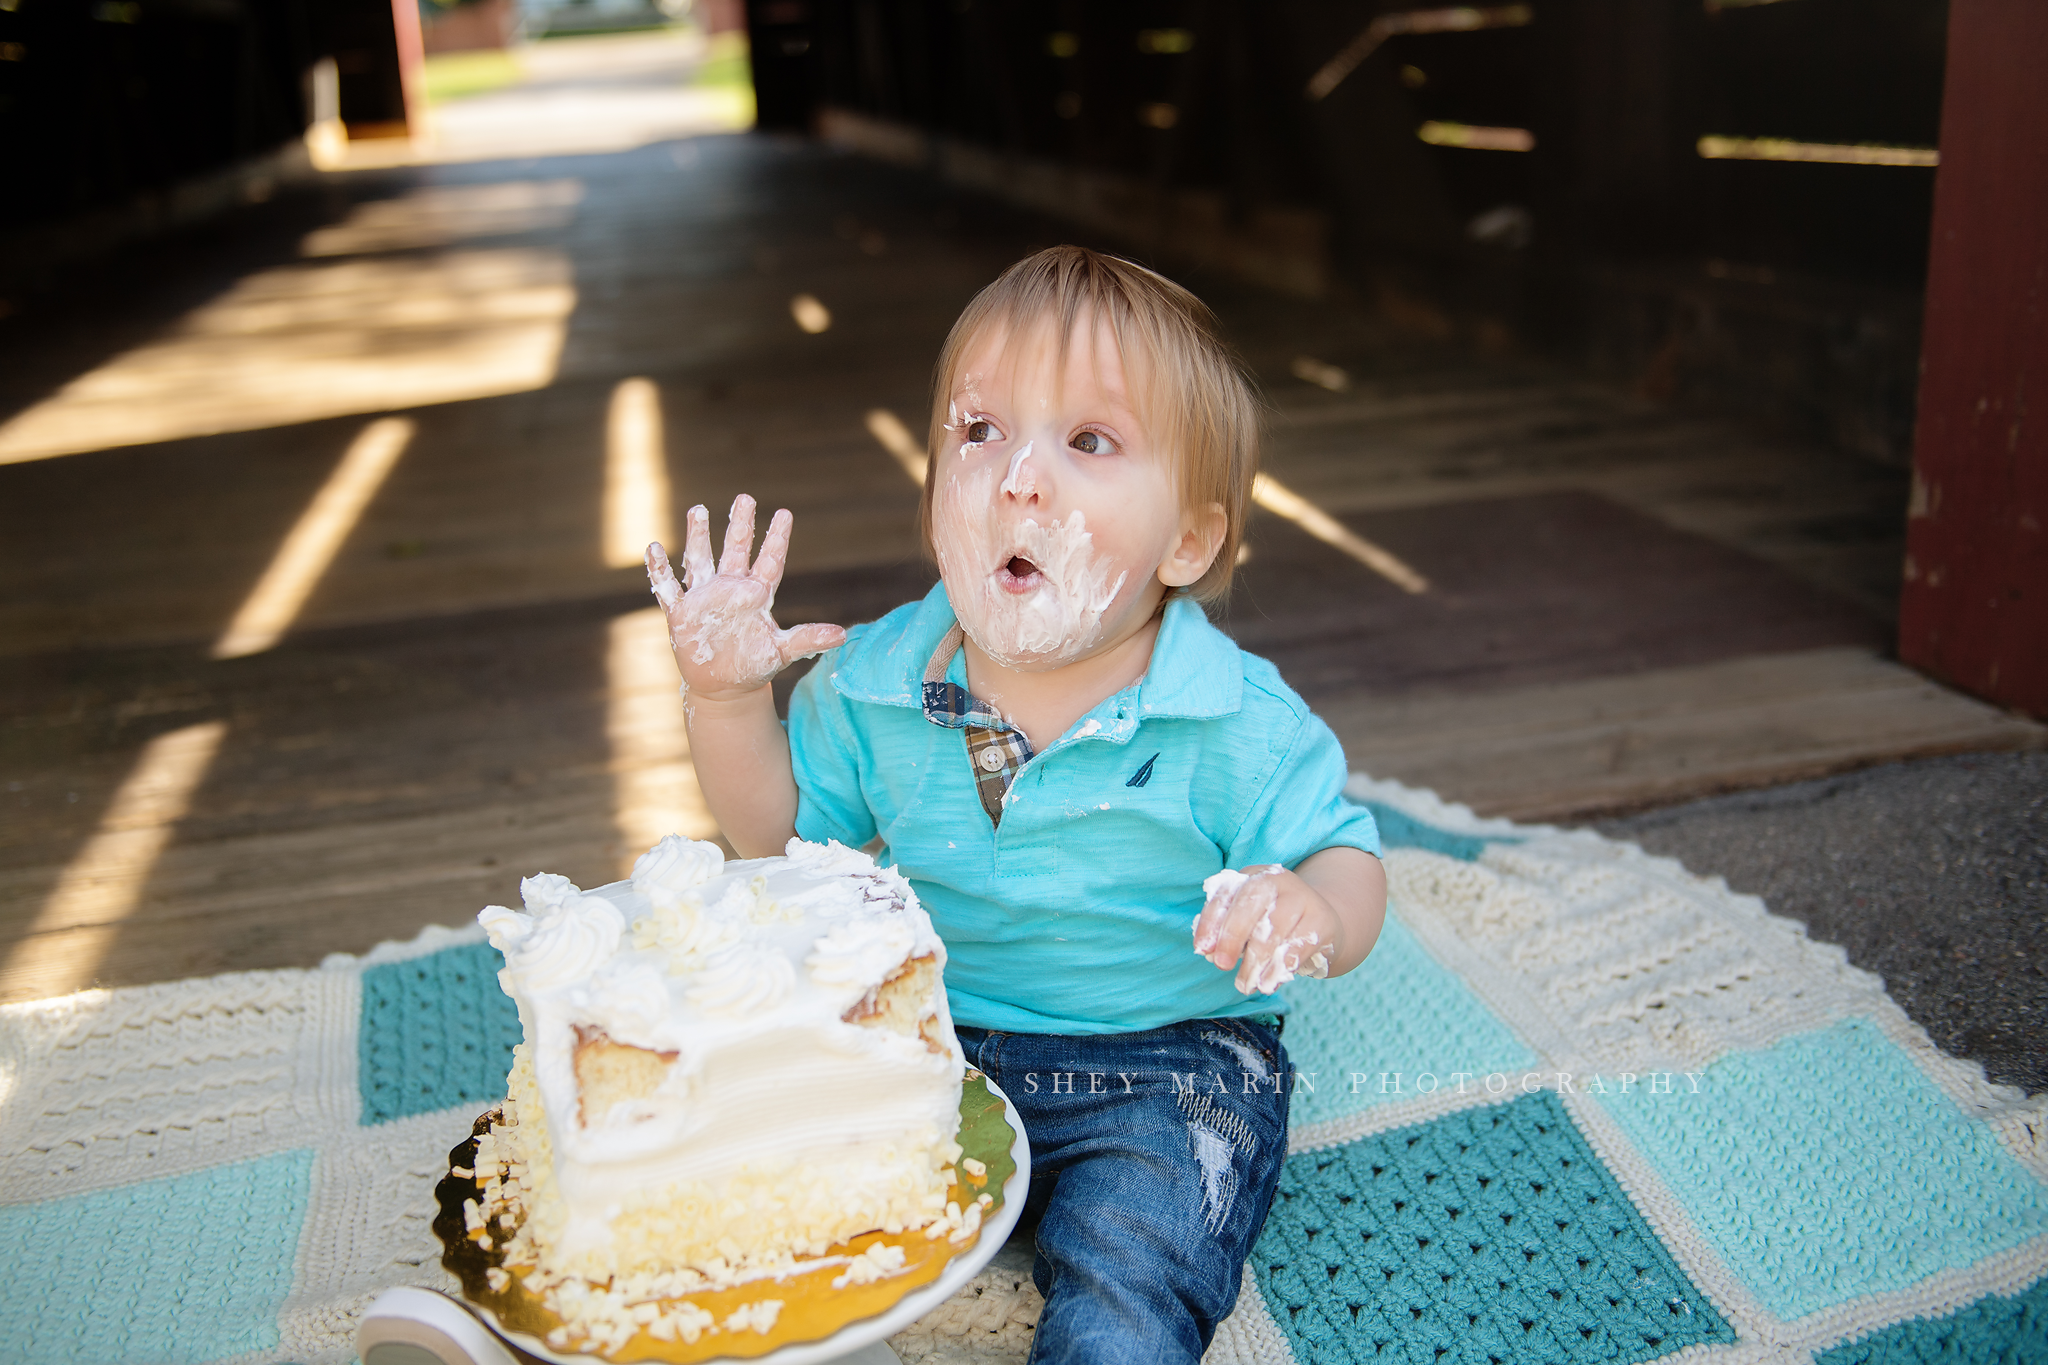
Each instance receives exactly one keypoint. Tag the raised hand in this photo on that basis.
(722, 628)
(1269, 924)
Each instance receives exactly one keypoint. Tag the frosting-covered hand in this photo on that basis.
(722, 628)
(1269, 924)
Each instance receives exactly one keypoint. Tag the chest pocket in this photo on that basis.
(1130, 825)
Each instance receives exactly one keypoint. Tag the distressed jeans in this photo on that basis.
(1154, 1157)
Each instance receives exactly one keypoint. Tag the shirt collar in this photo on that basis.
(884, 664)
(1196, 672)
(949, 703)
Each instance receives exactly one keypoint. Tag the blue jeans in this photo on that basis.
(1154, 1157)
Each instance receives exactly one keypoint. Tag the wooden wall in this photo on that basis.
(1975, 607)
(1789, 291)
(105, 101)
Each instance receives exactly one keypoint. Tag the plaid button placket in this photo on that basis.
(996, 750)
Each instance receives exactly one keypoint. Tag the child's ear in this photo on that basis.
(1201, 536)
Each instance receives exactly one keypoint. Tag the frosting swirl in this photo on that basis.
(630, 999)
(740, 980)
(682, 929)
(567, 945)
(676, 864)
(505, 927)
(860, 951)
(544, 891)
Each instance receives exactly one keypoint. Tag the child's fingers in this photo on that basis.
(739, 537)
(1240, 922)
(801, 642)
(1273, 951)
(697, 547)
(1220, 889)
(774, 552)
(1212, 926)
(662, 578)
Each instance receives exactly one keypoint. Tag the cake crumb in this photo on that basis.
(685, 1320)
(759, 1316)
(946, 1223)
(878, 1262)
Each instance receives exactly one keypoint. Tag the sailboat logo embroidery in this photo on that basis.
(1144, 774)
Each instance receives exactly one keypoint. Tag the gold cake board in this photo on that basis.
(818, 1323)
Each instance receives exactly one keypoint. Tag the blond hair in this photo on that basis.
(1192, 394)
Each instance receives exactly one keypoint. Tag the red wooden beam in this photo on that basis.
(1974, 610)
(412, 63)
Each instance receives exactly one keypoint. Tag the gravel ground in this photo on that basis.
(1933, 874)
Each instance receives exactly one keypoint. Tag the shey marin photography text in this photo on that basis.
(1366, 1082)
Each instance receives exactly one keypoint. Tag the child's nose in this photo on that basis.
(1021, 481)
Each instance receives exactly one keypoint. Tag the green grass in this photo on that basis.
(725, 63)
(457, 75)
(454, 75)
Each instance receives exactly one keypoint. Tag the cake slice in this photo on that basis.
(726, 1066)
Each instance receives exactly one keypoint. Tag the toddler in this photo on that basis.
(1072, 766)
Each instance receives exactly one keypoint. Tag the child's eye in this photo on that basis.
(978, 431)
(1092, 443)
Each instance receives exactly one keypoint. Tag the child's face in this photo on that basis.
(1055, 517)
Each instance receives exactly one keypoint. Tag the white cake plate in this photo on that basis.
(850, 1343)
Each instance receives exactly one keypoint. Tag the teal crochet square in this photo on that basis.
(436, 1031)
(1487, 1236)
(1405, 1027)
(1829, 1166)
(171, 1272)
(1991, 1331)
(1995, 1330)
(1398, 829)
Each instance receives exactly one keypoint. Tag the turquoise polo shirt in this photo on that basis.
(1075, 913)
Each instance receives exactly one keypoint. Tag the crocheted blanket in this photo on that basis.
(1580, 1105)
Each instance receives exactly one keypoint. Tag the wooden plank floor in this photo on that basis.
(1626, 606)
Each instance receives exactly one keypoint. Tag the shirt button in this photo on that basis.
(991, 760)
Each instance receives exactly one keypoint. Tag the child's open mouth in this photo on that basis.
(1020, 575)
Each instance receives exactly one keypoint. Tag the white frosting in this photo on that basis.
(562, 944)
(742, 980)
(676, 864)
(1224, 885)
(1267, 965)
(631, 990)
(974, 536)
(544, 891)
(744, 971)
(861, 952)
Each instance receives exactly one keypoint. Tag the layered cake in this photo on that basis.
(729, 1068)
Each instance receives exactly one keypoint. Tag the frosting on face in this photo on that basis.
(1011, 484)
(1054, 614)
